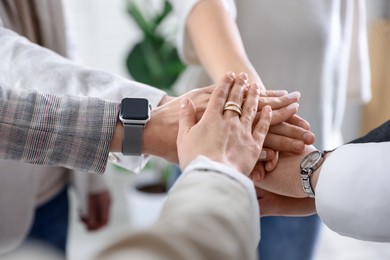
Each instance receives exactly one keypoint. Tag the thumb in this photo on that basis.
(187, 117)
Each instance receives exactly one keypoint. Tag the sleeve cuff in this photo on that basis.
(204, 163)
(352, 189)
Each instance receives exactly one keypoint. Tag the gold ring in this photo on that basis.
(232, 106)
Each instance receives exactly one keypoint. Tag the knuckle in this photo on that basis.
(263, 129)
(221, 92)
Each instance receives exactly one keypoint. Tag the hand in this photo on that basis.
(98, 210)
(289, 132)
(295, 119)
(264, 164)
(285, 178)
(160, 133)
(272, 204)
(285, 137)
(224, 136)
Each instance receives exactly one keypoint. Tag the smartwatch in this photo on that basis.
(134, 114)
(309, 164)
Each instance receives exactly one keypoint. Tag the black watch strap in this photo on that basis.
(132, 139)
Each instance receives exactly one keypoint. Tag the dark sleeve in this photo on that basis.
(377, 135)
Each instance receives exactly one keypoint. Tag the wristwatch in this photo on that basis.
(309, 164)
(134, 114)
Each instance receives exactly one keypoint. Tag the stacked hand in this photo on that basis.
(287, 132)
(225, 133)
(260, 136)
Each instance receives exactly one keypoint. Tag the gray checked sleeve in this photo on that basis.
(68, 131)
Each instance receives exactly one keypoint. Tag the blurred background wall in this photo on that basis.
(103, 34)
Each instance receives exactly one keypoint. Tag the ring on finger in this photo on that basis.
(233, 106)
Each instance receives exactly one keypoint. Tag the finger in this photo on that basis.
(266, 154)
(283, 143)
(220, 94)
(258, 172)
(249, 109)
(279, 102)
(261, 129)
(187, 117)
(236, 96)
(283, 114)
(262, 87)
(273, 93)
(271, 164)
(208, 89)
(262, 92)
(292, 131)
(299, 121)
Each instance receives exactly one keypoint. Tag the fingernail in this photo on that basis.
(280, 93)
(298, 145)
(308, 138)
(263, 155)
(293, 106)
(231, 75)
(267, 109)
(294, 95)
(243, 75)
(256, 85)
(184, 102)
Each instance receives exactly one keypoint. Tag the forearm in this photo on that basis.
(69, 131)
(27, 66)
(217, 41)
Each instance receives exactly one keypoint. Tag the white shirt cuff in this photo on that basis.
(352, 193)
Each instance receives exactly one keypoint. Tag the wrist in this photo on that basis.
(116, 142)
(165, 100)
(316, 173)
(160, 134)
(310, 169)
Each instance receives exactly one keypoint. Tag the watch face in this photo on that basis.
(311, 159)
(135, 109)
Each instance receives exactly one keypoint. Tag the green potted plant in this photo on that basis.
(153, 61)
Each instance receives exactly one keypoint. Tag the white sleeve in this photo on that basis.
(182, 9)
(28, 66)
(352, 193)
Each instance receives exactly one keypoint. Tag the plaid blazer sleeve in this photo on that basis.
(24, 65)
(68, 131)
